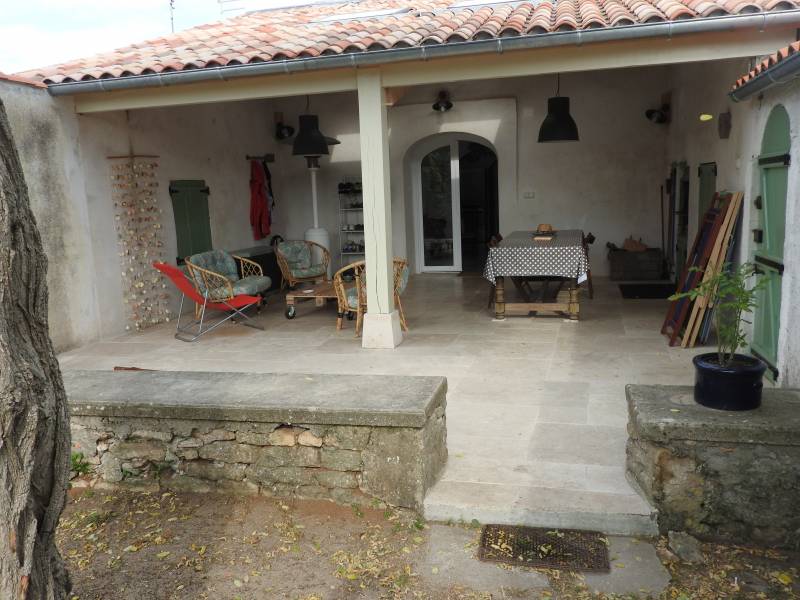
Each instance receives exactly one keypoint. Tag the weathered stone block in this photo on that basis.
(229, 452)
(162, 436)
(347, 438)
(256, 439)
(84, 440)
(715, 474)
(190, 443)
(110, 468)
(341, 460)
(217, 435)
(146, 450)
(309, 439)
(221, 432)
(298, 456)
(285, 436)
(215, 471)
(336, 479)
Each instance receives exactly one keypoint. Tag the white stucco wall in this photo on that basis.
(702, 88)
(206, 142)
(607, 183)
(45, 132)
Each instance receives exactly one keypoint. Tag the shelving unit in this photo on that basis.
(351, 222)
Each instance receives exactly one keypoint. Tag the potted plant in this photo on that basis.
(726, 380)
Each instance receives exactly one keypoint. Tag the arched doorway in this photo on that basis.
(454, 179)
(773, 164)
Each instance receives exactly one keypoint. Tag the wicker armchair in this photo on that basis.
(296, 261)
(216, 275)
(211, 290)
(352, 299)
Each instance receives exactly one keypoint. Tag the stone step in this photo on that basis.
(614, 514)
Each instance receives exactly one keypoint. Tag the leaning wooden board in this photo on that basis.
(697, 260)
(715, 263)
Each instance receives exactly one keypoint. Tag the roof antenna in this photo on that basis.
(172, 15)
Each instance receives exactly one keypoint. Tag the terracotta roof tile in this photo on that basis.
(309, 31)
(767, 63)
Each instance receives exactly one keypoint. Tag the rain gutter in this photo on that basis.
(668, 30)
(779, 73)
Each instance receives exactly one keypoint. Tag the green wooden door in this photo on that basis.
(192, 223)
(769, 236)
(707, 173)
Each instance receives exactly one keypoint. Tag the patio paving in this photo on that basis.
(536, 406)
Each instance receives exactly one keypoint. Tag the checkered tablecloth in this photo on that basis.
(519, 255)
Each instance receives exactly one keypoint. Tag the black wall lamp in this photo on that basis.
(659, 116)
(558, 125)
(443, 103)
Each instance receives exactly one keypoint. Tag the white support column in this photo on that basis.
(382, 322)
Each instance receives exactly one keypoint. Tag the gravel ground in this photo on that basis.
(141, 546)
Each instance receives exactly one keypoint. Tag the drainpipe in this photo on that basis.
(783, 72)
(668, 29)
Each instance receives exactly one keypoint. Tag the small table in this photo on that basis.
(319, 292)
(524, 259)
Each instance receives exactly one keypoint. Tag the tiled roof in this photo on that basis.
(21, 80)
(770, 61)
(308, 31)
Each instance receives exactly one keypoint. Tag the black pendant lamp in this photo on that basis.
(558, 125)
(309, 140)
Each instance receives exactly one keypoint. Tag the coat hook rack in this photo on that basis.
(262, 157)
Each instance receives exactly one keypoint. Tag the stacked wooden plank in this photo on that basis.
(703, 305)
(689, 320)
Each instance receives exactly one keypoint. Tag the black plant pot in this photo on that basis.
(735, 387)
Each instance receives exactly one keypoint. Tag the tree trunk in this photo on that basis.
(34, 422)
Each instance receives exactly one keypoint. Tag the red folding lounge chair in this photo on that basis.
(223, 300)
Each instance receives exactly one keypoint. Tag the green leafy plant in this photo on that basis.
(733, 296)
(79, 464)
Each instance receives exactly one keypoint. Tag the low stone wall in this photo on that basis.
(350, 439)
(718, 475)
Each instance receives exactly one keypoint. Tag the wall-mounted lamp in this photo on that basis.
(443, 103)
(705, 117)
(659, 116)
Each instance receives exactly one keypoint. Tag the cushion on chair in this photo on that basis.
(297, 254)
(351, 294)
(217, 261)
(403, 280)
(249, 286)
(312, 271)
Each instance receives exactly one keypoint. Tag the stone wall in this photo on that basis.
(716, 474)
(354, 453)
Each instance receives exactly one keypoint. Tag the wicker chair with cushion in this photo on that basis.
(352, 299)
(296, 260)
(217, 273)
(226, 302)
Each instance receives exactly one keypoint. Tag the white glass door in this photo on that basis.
(439, 214)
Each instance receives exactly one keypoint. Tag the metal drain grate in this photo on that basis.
(566, 549)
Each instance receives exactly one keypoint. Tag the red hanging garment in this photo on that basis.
(259, 201)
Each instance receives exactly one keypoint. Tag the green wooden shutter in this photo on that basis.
(707, 172)
(192, 222)
(771, 208)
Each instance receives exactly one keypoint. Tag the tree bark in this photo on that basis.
(34, 420)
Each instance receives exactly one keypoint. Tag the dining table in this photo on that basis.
(558, 262)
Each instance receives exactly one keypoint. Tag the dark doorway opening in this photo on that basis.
(479, 203)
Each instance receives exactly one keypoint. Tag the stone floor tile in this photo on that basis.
(635, 569)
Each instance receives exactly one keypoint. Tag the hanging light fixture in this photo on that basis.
(443, 103)
(558, 125)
